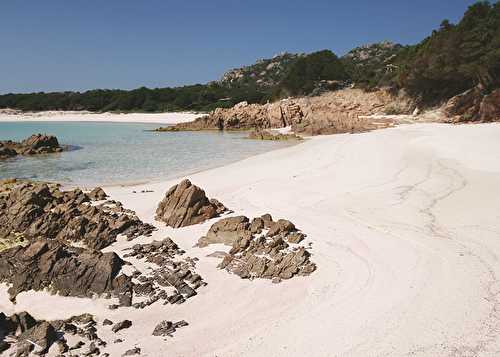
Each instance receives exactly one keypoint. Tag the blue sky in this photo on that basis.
(61, 45)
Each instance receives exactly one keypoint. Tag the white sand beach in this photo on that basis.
(405, 231)
(62, 116)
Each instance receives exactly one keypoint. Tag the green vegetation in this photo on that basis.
(308, 71)
(256, 84)
(368, 66)
(197, 98)
(453, 59)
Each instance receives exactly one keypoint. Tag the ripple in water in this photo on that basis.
(121, 153)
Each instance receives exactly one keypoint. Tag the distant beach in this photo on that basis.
(62, 116)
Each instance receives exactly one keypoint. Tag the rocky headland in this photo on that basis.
(342, 111)
(34, 145)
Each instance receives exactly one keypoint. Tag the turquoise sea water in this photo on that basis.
(124, 153)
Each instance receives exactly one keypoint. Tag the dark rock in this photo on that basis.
(257, 225)
(40, 337)
(489, 109)
(186, 204)
(4, 346)
(97, 194)
(107, 322)
(255, 256)
(93, 350)
(133, 351)
(167, 328)
(260, 134)
(63, 269)
(227, 231)
(35, 210)
(35, 144)
(267, 218)
(295, 237)
(121, 325)
(281, 226)
(62, 346)
(22, 322)
(474, 105)
(77, 345)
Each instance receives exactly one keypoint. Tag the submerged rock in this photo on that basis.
(35, 144)
(186, 204)
(259, 134)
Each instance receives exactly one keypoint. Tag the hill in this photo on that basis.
(453, 59)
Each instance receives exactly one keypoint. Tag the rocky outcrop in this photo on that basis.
(489, 110)
(68, 271)
(341, 111)
(264, 73)
(474, 105)
(39, 210)
(28, 336)
(261, 248)
(35, 144)
(168, 272)
(227, 231)
(186, 204)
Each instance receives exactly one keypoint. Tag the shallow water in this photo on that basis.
(124, 153)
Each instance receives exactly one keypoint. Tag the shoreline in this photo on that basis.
(144, 118)
(404, 267)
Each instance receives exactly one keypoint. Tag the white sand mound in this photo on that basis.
(405, 226)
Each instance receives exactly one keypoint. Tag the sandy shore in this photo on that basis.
(156, 118)
(405, 225)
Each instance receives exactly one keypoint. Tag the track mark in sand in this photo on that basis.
(454, 182)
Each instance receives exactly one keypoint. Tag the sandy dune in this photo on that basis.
(405, 225)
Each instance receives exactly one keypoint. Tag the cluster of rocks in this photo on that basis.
(186, 204)
(66, 270)
(341, 111)
(261, 248)
(35, 144)
(39, 210)
(474, 105)
(30, 336)
(171, 280)
(259, 134)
